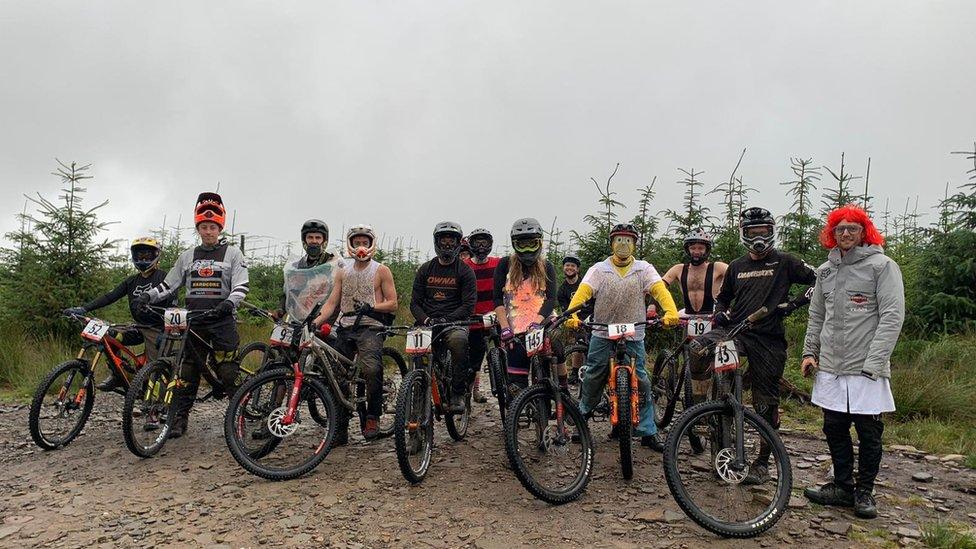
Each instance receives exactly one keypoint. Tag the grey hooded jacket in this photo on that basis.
(856, 313)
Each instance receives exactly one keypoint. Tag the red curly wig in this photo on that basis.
(852, 214)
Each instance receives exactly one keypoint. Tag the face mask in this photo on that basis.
(623, 247)
(313, 250)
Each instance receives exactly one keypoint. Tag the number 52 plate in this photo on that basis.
(95, 330)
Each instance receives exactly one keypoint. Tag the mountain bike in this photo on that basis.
(64, 399)
(497, 364)
(708, 487)
(546, 436)
(425, 395)
(623, 397)
(150, 394)
(671, 381)
(297, 406)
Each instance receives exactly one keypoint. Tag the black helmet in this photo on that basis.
(698, 236)
(315, 226)
(447, 228)
(757, 217)
(480, 249)
(526, 236)
(623, 229)
(570, 258)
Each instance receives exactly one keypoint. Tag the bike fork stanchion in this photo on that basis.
(740, 445)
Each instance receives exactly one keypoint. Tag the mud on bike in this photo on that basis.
(708, 486)
(547, 439)
(281, 424)
(63, 401)
(146, 412)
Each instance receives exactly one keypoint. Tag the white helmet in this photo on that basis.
(361, 253)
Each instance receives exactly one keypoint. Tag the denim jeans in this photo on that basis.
(598, 370)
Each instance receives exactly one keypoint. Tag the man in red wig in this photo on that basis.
(856, 313)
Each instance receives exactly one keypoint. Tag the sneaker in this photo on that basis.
(864, 505)
(341, 436)
(653, 442)
(110, 384)
(371, 428)
(151, 424)
(457, 402)
(478, 396)
(830, 494)
(758, 474)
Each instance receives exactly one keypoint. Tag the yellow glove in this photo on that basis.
(573, 322)
(659, 291)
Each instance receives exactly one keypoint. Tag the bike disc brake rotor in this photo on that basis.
(277, 428)
(723, 466)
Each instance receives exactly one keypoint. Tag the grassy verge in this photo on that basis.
(948, 535)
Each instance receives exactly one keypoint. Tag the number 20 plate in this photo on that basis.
(95, 330)
(418, 342)
(726, 356)
(175, 318)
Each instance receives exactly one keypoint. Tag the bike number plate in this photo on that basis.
(617, 331)
(95, 330)
(281, 335)
(534, 341)
(699, 327)
(726, 356)
(418, 341)
(175, 318)
(489, 320)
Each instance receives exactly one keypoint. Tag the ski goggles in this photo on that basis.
(530, 245)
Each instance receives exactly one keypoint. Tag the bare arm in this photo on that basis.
(332, 302)
(673, 274)
(387, 290)
(718, 277)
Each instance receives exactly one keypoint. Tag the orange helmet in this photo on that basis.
(210, 207)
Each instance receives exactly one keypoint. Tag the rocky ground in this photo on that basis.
(94, 492)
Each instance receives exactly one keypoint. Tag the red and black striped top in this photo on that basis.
(484, 274)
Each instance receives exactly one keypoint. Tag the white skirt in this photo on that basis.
(854, 394)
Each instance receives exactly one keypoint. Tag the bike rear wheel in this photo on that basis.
(625, 429)
(260, 438)
(61, 405)
(150, 396)
(413, 428)
(710, 489)
(394, 370)
(553, 466)
(664, 386)
(457, 424)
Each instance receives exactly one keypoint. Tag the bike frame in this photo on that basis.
(114, 350)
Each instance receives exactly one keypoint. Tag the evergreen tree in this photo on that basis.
(798, 229)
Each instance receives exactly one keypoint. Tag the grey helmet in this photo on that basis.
(698, 236)
(757, 217)
(527, 229)
(480, 250)
(444, 228)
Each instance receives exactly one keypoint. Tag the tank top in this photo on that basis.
(358, 286)
(708, 301)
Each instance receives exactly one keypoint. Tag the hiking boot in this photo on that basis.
(151, 424)
(653, 442)
(758, 474)
(457, 402)
(371, 428)
(179, 427)
(478, 396)
(864, 505)
(830, 494)
(110, 384)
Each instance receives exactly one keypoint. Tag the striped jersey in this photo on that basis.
(484, 276)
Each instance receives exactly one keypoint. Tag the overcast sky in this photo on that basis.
(400, 114)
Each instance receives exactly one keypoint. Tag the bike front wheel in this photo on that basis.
(262, 438)
(146, 410)
(709, 487)
(624, 427)
(394, 370)
(457, 423)
(413, 427)
(499, 379)
(551, 450)
(61, 405)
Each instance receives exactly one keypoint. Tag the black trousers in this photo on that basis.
(837, 428)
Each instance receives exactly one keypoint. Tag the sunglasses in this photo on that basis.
(527, 245)
(849, 229)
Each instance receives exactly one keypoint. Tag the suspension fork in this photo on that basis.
(738, 422)
(296, 391)
(83, 390)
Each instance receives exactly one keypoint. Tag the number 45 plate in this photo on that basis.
(418, 341)
(726, 356)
